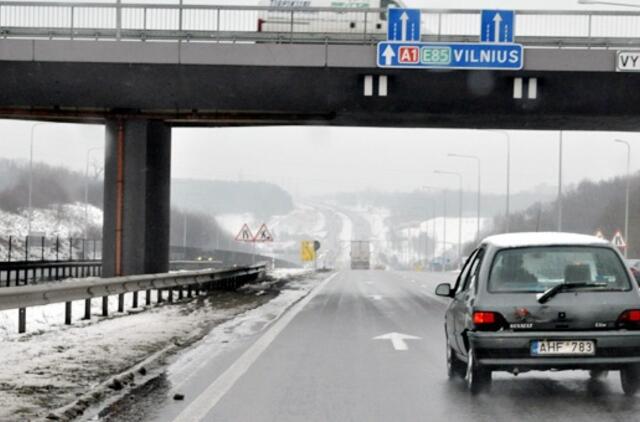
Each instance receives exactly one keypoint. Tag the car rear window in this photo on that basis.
(535, 269)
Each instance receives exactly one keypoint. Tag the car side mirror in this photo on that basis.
(444, 290)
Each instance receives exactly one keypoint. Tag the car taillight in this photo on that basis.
(629, 319)
(480, 318)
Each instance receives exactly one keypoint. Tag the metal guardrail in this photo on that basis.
(22, 273)
(65, 292)
(139, 21)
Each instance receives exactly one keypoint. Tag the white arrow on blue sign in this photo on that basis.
(498, 26)
(403, 24)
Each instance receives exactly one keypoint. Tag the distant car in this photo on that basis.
(543, 301)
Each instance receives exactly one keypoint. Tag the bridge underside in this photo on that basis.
(245, 95)
(140, 102)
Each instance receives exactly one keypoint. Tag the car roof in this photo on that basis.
(516, 240)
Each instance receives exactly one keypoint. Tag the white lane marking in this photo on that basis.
(397, 340)
(382, 86)
(533, 88)
(517, 88)
(368, 85)
(209, 398)
(376, 297)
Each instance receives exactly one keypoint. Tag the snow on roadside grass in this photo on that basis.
(48, 368)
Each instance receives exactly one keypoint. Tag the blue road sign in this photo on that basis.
(403, 24)
(450, 56)
(497, 26)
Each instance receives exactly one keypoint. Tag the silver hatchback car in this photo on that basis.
(543, 301)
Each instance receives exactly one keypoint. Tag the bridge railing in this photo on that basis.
(139, 21)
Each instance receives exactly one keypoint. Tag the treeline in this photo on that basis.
(227, 197)
(51, 186)
(587, 208)
(418, 204)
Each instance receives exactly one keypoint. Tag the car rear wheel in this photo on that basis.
(478, 378)
(630, 379)
(598, 374)
(455, 367)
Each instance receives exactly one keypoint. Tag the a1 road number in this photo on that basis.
(409, 55)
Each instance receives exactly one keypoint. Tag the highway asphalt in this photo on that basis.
(320, 362)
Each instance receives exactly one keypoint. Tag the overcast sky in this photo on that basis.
(315, 160)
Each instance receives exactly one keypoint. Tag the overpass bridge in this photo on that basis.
(141, 69)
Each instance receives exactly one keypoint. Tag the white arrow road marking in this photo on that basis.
(404, 18)
(397, 340)
(388, 55)
(497, 19)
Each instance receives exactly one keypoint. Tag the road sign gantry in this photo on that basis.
(496, 49)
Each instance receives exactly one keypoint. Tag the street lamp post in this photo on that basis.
(86, 191)
(508, 199)
(560, 183)
(626, 207)
(30, 201)
(459, 176)
(433, 224)
(444, 230)
(477, 159)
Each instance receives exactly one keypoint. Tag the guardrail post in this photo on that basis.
(105, 306)
(160, 300)
(118, 20)
(67, 313)
(189, 291)
(121, 302)
(364, 34)
(87, 309)
(291, 34)
(148, 298)
(180, 293)
(170, 295)
(22, 320)
(71, 23)
(135, 300)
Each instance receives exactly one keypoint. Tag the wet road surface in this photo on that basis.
(319, 362)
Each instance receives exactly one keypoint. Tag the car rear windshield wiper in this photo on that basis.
(551, 292)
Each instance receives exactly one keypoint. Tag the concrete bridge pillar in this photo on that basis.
(137, 177)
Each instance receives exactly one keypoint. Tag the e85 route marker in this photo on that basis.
(397, 340)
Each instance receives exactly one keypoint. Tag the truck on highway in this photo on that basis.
(360, 255)
(273, 20)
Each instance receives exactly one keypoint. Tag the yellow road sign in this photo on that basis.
(307, 251)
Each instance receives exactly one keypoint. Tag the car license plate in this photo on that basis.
(562, 347)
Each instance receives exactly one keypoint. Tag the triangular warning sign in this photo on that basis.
(263, 235)
(618, 241)
(245, 234)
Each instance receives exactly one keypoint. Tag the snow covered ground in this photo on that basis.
(54, 364)
(63, 221)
